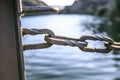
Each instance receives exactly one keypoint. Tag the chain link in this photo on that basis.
(59, 40)
(108, 41)
(116, 46)
(34, 32)
(81, 43)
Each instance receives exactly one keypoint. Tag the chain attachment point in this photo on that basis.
(34, 32)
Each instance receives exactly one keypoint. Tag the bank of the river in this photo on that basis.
(87, 6)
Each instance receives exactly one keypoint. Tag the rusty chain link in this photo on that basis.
(81, 43)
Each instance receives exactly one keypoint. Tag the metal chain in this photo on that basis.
(81, 43)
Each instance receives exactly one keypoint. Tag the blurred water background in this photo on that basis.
(64, 62)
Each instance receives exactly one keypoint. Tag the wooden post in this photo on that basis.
(11, 56)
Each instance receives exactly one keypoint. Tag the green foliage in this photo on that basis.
(114, 10)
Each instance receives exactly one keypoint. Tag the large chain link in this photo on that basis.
(82, 43)
(34, 32)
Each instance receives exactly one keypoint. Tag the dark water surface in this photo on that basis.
(64, 62)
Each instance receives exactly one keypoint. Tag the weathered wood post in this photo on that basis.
(11, 56)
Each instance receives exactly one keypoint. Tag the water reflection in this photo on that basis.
(64, 62)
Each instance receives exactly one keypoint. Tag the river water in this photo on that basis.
(64, 62)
